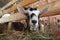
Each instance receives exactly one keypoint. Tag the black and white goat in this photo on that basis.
(33, 15)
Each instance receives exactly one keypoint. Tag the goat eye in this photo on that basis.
(35, 8)
(31, 9)
(25, 8)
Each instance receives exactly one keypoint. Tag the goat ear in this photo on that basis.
(45, 10)
(20, 9)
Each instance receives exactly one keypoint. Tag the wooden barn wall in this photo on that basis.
(51, 23)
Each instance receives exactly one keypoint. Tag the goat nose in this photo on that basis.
(34, 21)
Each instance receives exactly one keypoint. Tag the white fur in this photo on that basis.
(32, 26)
(36, 12)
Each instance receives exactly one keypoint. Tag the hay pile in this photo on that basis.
(17, 35)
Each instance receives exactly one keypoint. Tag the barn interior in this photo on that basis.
(50, 20)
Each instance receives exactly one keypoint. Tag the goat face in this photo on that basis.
(33, 14)
(33, 18)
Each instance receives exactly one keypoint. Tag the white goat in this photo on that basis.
(33, 16)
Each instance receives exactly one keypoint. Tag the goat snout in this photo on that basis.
(34, 22)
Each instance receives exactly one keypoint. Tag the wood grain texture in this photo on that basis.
(13, 17)
(54, 9)
(23, 3)
(8, 4)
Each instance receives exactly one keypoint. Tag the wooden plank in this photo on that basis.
(23, 3)
(9, 26)
(13, 17)
(14, 6)
(41, 2)
(27, 2)
(8, 4)
(54, 9)
(10, 9)
(16, 16)
(36, 4)
(47, 4)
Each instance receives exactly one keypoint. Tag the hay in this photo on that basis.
(17, 35)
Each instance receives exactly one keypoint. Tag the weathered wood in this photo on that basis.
(13, 17)
(9, 26)
(8, 4)
(53, 10)
(13, 8)
(41, 3)
(6, 11)
(23, 3)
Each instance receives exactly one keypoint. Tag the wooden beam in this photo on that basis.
(41, 3)
(52, 13)
(27, 2)
(48, 4)
(54, 9)
(23, 3)
(14, 7)
(9, 26)
(13, 17)
(8, 4)
(16, 16)
(7, 11)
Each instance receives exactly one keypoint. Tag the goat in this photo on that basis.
(33, 15)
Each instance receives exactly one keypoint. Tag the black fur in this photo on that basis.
(31, 9)
(32, 15)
